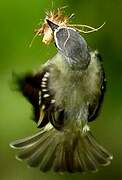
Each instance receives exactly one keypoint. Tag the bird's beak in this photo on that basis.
(52, 25)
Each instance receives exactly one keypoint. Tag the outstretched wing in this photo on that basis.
(36, 90)
(94, 108)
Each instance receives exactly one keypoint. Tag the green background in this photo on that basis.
(18, 19)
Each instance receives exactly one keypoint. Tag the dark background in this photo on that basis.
(18, 19)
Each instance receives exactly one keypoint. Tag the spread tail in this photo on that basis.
(62, 151)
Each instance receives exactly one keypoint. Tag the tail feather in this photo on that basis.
(28, 141)
(79, 165)
(62, 151)
(86, 156)
(96, 155)
(40, 153)
(48, 159)
(29, 151)
(97, 149)
(64, 159)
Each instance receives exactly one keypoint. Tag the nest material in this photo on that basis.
(58, 17)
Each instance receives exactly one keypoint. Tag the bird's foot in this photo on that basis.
(86, 128)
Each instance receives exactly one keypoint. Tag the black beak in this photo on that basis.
(52, 25)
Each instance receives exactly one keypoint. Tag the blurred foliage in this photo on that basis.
(18, 19)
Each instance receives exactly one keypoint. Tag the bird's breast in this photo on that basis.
(74, 90)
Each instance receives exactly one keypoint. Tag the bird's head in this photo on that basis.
(71, 44)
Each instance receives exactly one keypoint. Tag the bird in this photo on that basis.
(66, 94)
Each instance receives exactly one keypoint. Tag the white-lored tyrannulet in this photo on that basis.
(66, 95)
